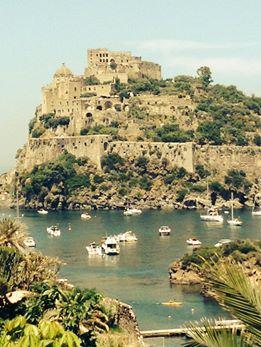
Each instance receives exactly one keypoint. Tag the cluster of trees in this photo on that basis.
(60, 173)
(170, 133)
(112, 130)
(50, 121)
(41, 311)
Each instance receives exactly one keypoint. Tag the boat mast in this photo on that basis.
(17, 197)
(232, 207)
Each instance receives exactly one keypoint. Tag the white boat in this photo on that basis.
(233, 221)
(53, 230)
(85, 216)
(212, 216)
(94, 249)
(29, 242)
(128, 236)
(256, 212)
(193, 242)
(164, 230)
(222, 242)
(132, 212)
(42, 211)
(110, 246)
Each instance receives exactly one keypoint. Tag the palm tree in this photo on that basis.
(12, 234)
(241, 296)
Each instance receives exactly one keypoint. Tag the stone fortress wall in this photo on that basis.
(218, 159)
(94, 147)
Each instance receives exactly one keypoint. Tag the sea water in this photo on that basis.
(139, 275)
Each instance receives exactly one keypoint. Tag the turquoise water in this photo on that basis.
(139, 275)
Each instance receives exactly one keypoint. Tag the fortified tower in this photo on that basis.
(108, 65)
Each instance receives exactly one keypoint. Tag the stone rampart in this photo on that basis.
(178, 154)
(217, 159)
(220, 159)
(42, 150)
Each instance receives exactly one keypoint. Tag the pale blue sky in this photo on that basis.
(181, 35)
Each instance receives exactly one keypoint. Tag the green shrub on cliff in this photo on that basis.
(170, 133)
(112, 161)
(236, 179)
(60, 173)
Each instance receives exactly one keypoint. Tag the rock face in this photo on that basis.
(188, 276)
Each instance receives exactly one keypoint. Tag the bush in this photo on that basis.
(181, 195)
(201, 171)
(236, 179)
(49, 121)
(112, 161)
(257, 140)
(36, 133)
(98, 179)
(84, 131)
(91, 80)
(145, 183)
(142, 162)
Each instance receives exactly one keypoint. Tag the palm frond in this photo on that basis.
(237, 293)
(203, 334)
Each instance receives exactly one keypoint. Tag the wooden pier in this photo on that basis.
(223, 324)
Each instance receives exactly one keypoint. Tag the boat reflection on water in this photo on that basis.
(105, 260)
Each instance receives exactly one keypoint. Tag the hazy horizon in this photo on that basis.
(36, 38)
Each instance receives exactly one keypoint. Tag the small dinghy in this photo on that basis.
(94, 249)
(53, 230)
(29, 242)
(193, 241)
(164, 230)
(85, 216)
(132, 212)
(42, 211)
(128, 236)
(172, 303)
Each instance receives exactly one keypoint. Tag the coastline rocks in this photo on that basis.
(188, 276)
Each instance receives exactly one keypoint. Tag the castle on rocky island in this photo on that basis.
(87, 117)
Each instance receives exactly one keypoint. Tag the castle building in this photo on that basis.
(107, 65)
(65, 95)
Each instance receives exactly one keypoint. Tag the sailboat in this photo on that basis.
(233, 221)
(212, 214)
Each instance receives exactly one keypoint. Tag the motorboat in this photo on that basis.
(212, 216)
(29, 242)
(172, 303)
(53, 230)
(94, 249)
(128, 236)
(193, 241)
(42, 211)
(164, 230)
(85, 216)
(223, 242)
(110, 246)
(233, 221)
(132, 212)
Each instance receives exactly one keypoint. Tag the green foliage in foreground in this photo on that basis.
(41, 311)
(239, 295)
(19, 333)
